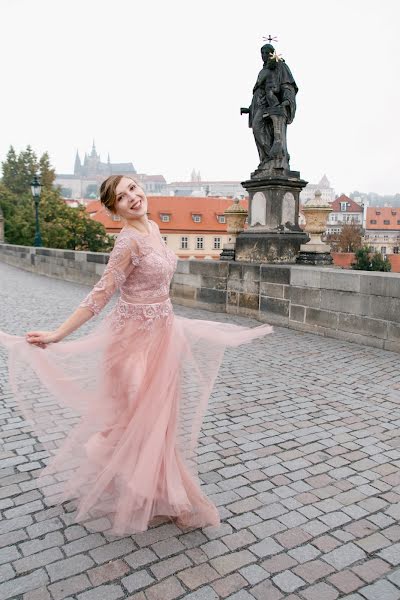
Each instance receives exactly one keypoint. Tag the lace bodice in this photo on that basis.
(140, 265)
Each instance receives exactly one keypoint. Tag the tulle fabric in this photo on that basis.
(120, 411)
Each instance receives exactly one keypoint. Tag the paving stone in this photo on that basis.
(266, 591)
(232, 562)
(229, 585)
(69, 566)
(11, 589)
(170, 566)
(69, 586)
(34, 561)
(141, 558)
(266, 547)
(169, 589)
(344, 556)
(194, 577)
(254, 574)
(103, 592)
(320, 591)
(288, 581)
(372, 569)
(313, 570)
(381, 590)
(108, 572)
(137, 581)
(346, 581)
(205, 593)
(391, 554)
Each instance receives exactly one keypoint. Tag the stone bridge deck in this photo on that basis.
(300, 450)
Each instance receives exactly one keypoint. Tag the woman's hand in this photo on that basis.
(42, 338)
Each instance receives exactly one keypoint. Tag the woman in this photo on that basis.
(138, 385)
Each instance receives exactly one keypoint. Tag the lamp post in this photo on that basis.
(36, 189)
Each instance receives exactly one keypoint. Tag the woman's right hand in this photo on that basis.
(42, 338)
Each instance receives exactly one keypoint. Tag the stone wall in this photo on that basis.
(356, 306)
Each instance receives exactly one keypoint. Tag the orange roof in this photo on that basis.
(180, 210)
(385, 218)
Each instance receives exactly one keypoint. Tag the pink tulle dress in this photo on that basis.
(120, 409)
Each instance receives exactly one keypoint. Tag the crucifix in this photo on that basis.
(270, 39)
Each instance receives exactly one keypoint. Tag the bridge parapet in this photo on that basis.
(356, 306)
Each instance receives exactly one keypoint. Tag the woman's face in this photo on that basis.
(131, 201)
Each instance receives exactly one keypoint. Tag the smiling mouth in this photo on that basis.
(137, 204)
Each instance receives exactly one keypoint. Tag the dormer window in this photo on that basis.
(196, 218)
(377, 212)
(221, 218)
(343, 206)
(165, 217)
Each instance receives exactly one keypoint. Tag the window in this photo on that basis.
(217, 243)
(395, 249)
(394, 213)
(343, 206)
(116, 217)
(165, 218)
(373, 221)
(196, 218)
(200, 243)
(164, 237)
(386, 222)
(377, 212)
(398, 221)
(221, 219)
(184, 242)
(383, 249)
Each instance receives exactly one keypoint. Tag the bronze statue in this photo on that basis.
(273, 106)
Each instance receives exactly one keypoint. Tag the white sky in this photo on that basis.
(160, 83)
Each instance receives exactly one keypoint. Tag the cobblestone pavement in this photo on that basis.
(300, 451)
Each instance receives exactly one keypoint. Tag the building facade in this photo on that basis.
(344, 211)
(194, 228)
(382, 229)
(228, 189)
(324, 186)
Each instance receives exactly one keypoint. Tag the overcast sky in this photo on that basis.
(160, 83)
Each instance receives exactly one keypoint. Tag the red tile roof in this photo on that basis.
(386, 218)
(180, 209)
(352, 206)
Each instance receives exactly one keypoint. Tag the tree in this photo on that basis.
(47, 173)
(61, 226)
(349, 239)
(367, 260)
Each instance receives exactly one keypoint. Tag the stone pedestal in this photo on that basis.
(235, 217)
(274, 235)
(315, 252)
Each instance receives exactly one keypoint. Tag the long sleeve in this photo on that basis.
(122, 261)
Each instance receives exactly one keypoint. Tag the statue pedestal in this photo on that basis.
(274, 235)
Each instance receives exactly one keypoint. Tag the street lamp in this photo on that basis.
(36, 189)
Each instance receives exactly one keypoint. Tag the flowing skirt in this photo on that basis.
(120, 411)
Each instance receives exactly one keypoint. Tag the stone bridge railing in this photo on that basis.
(355, 306)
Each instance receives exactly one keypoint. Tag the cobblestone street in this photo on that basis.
(300, 450)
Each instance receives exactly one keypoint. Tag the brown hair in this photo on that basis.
(108, 188)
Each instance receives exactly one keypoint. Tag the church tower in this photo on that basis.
(78, 164)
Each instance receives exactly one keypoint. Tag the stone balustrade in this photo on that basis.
(355, 306)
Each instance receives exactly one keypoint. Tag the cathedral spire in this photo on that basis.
(78, 164)
(93, 153)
